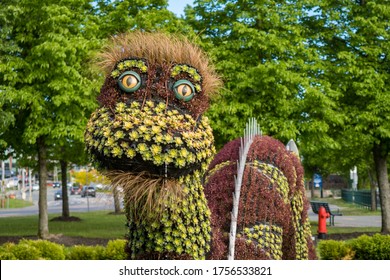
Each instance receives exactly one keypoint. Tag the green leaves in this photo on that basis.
(260, 51)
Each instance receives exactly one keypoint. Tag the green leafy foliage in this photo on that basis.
(259, 48)
(115, 250)
(84, 252)
(48, 86)
(32, 250)
(352, 40)
(365, 247)
(47, 250)
(375, 247)
(333, 250)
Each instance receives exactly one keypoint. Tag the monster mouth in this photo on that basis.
(149, 137)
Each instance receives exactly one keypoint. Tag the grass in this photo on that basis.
(99, 224)
(338, 229)
(15, 203)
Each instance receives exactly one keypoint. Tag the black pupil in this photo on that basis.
(185, 90)
(130, 80)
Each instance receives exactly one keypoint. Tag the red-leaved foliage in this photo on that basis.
(261, 199)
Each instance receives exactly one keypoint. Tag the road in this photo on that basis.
(102, 201)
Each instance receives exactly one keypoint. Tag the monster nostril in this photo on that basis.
(133, 145)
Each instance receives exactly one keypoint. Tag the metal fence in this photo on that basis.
(362, 197)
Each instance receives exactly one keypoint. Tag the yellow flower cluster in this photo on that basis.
(267, 238)
(153, 132)
(302, 228)
(275, 176)
(183, 226)
(177, 69)
(127, 65)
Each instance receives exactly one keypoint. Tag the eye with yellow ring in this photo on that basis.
(184, 90)
(129, 81)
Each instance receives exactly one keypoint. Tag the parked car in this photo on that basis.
(35, 187)
(88, 190)
(74, 190)
(56, 185)
(58, 195)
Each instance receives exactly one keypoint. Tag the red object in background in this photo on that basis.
(322, 216)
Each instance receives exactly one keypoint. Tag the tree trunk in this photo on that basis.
(380, 159)
(373, 189)
(43, 227)
(117, 203)
(65, 197)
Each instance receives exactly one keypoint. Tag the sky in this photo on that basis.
(177, 6)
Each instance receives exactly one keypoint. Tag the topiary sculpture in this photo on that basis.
(272, 220)
(150, 138)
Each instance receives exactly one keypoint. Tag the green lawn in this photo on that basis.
(100, 224)
(15, 203)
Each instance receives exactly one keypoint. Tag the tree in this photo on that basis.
(353, 41)
(72, 151)
(119, 16)
(49, 88)
(260, 49)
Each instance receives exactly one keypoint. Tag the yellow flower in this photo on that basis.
(155, 149)
(168, 159)
(184, 153)
(127, 125)
(142, 129)
(156, 129)
(120, 107)
(168, 138)
(125, 145)
(121, 66)
(158, 138)
(130, 153)
(133, 135)
(148, 122)
(147, 155)
(149, 103)
(134, 105)
(119, 134)
(147, 137)
(178, 141)
(142, 147)
(180, 162)
(110, 142)
(117, 152)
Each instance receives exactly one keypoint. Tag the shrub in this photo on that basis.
(334, 250)
(115, 250)
(376, 247)
(24, 251)
(48, 250)
(82, 252)
(6, 251)
(32, 250)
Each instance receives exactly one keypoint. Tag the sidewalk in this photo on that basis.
(351, 221)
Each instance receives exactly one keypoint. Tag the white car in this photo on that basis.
(35, 187)
(11, 183)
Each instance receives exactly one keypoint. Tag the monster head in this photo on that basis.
(150, 120)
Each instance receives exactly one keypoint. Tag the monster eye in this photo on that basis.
(184, 90)
(129, 81)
